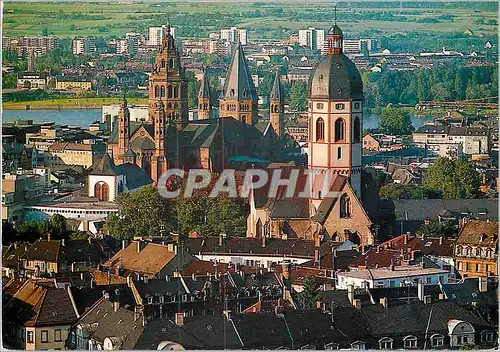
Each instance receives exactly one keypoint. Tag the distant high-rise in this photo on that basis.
(234, 35)
(156, 35)
(312, 38)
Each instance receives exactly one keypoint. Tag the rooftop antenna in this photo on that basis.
(335, 14)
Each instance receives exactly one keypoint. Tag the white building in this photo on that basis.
(110, 113)
(312, 38)
(156, 35)
(395, 276)
(122, 46)
(78, 46)
(234, 35)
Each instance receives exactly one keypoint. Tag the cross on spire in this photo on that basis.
(335, 14)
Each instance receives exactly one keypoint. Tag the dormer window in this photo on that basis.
(410, 342)
(385, 343)
(437, 340)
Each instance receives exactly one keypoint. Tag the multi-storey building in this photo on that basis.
(156, 34)
(234, 35)
(312, 38)
(74, 154)
(476, 249)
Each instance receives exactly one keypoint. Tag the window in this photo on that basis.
(29, 337)
(57, 335)
(319, 106)
(468, 251)
(437, 340)
(345, 206)
(339, 153)
(478, 252)
(478, 267)
(45, 336)
(460, 266)
(385, 343)
(486, 336)
(428, 280)
(410, 342)
(356, 105)
(357, 130)
(339, 106)
(320, 130)
(339, 129)
(358, 345)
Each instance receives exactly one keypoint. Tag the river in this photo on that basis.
(83, 118)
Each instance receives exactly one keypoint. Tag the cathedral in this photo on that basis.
(335, 119)
(169, 140)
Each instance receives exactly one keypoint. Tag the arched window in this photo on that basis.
(339, 153)
(120, 186)
(163, 63)
(385, 343)
(468, 251)
(437, 340)
(357, 130)
(101, 191)
(345, 206)
(339, 129)
(459, 250)
(176, 91)
(170, 91)
(410, 342)
(162, 91)
(320, 130)
(171, 63)
(478, 252)
(244, 119)
(157, 91)
(486, 336)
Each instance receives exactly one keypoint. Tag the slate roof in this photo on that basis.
(79, 251)
(276, 90)
(134, 175)
(239, 84)
(204, 91)
(426, 129)
(104, 166)
(467, 291)
(412, 318)
(328, 203)
(44, 250)
(399, 271)
(159, 287)
(335, 77)
(36, 304)
(250, 245)
(11, 254)
(85, 298)
(421, 209)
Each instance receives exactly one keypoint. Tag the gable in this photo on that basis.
(141, 132)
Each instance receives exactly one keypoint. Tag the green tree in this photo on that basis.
(58, 224)
(435, 228)
(9, 80)
(144, 212)
(309, 295)
(398, 191)
(298, 96)
(395, 121)
(455, 178)
(193, 88)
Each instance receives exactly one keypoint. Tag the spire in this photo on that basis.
(205, 87)
(239, 83)
(335, 15)
(276, 91)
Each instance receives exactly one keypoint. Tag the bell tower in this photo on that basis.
(276, 107)
(159, 160)
(123, 130)
(168, 83)
(204, 106)
(335, 109)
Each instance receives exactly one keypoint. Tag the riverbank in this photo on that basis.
(69, 103)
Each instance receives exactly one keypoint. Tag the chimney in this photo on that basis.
(318, 304)
(137, 312)
(116, 303)
(392, 265)
(105, 294)
(221, 240)
(406, 238)
(179, 319)
(167, 278)
(227, 313)
(384, 302)
(124, 244)
(317, 243)
(441, 240)
(193, 276)
(378, 249)
(73, 267)
(242, 274)
(422, 264)
(427, 299)
(81, 276)
(426, 222)
(263, 241)
(140, 245)
(483, 284)
(412, 255)
(350, 293)
(357, 303)
(117, 270)
(48, 237)
(63, 242)
(420, 290)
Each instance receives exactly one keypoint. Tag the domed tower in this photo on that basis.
(335, 107)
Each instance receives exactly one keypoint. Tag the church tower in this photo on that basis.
(167, 82)
(239, 99)
(159, 160)
(204, 106)
(276, 107)
(123, 129)
(335, 109)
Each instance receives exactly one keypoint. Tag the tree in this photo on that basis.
(398, 191)
(58, 224)
(455, 178)
(395, 121)
(309, 295)
(298, 96)
(144, 212)
(435, 228)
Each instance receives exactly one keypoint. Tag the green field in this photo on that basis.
(69, 103)
(263, 19)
